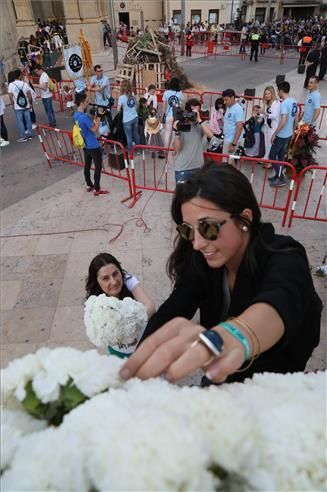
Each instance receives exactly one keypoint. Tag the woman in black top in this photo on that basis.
(234, 268)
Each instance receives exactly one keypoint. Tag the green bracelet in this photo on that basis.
(236, 333)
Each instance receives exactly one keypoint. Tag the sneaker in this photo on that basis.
(26, 132)
(89, 188)
(278, 182)
(23, 139)
(4, 143)
(272, 178)
(100, 192)
(30, 137)
(34, 126)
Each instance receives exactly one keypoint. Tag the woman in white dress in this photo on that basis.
(271, 112)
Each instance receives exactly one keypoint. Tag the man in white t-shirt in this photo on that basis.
(21, 98)
(46, 94)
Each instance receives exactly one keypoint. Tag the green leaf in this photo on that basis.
(71, 396)
(32, 404)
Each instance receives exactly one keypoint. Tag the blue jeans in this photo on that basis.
(132, 132)
(22, 114)
(181, 176)
(47, 103)
(278, 151)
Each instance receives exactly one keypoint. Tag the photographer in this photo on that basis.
(92, 151)
(189, 131)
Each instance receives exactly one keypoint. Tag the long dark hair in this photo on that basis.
(227, 188)
(92, 285)
(174, 84)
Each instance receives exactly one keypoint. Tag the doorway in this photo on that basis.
(45, 11)
(124, 17)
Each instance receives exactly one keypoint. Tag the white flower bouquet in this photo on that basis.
(50, 383)
(265, 434)
(110, 321)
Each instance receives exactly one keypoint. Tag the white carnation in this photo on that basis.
(110, 321)
(17, 374)
(15, 424)
(50, 460)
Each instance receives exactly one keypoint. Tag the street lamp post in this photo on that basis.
(231, 12)
(113, 29)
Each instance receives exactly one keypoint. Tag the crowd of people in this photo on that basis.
(49, 37)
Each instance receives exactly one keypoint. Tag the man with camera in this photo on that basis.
(189, 130)
(92, 150)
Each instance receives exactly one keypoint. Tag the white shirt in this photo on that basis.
(15, 87)
(45, 93)
(2, 106)
(130, 281)
(151, 98)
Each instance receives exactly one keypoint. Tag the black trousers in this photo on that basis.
(242, 46)
(96, 156)
(4, 133)
(311, 71)
(254, 50)
(188, 50)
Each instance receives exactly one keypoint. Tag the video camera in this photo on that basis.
(184, 118)
(101, 111)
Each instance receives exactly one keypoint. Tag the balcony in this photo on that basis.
(301, 3)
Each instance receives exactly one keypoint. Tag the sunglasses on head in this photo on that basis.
(207, 229)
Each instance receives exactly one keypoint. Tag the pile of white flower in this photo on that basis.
(110, 321)
(50, 383)
(265, 434)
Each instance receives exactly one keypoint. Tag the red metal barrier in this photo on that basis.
(147, 171)
(150, 173)
(309, 195)
(57, 145)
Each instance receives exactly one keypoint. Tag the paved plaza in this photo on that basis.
(56, 228)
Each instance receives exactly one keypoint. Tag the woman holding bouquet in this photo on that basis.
(106, 276)
(258, 307)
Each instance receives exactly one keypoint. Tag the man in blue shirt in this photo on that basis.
(233, 122)
(92, 150)
(312, 103)
(281, 137)
(101, 86)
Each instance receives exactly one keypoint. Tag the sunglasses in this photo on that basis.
(207, 229)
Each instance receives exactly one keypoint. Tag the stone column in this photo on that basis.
(72, 19)
(25, 21)
(84, 14)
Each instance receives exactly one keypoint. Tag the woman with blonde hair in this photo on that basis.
(127, 102)
(271, 112)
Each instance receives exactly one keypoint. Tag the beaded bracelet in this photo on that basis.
(252, 333)
(239, 336)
